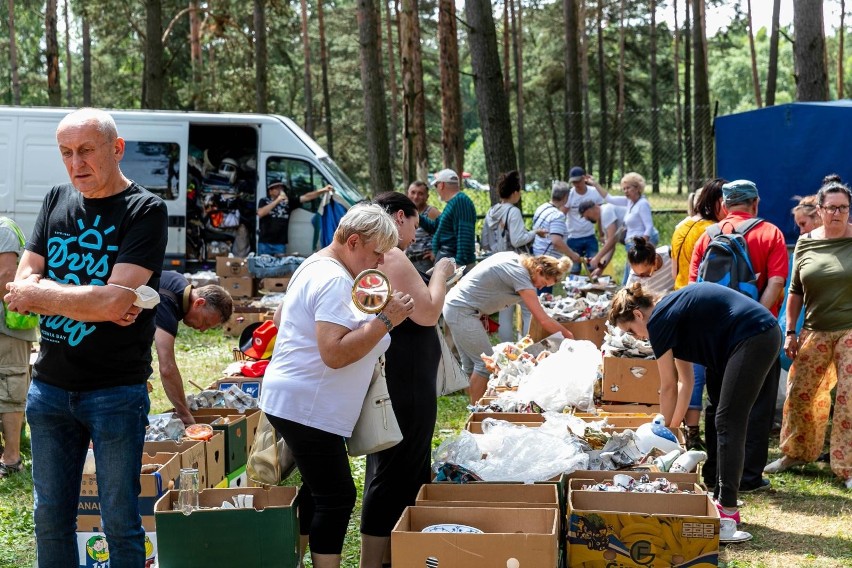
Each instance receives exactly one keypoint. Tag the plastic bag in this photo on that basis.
(553, 389)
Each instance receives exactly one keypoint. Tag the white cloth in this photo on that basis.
(637, 218)
(578, 226)
(297, 385)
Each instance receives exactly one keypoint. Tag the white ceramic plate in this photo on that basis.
(738, 536)
(452, 528)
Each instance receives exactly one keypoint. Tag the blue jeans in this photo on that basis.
(271, 249)
(584, 246)
(62, 423)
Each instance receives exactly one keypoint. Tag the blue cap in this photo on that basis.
(738, 191)
(576, 174)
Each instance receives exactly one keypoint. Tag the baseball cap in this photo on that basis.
(738, 191)
(258, 340)
(446, 176)
(576, 174)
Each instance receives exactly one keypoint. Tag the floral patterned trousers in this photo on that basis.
(824, 359)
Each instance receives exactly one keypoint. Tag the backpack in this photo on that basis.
(498, 239)
(726, 261)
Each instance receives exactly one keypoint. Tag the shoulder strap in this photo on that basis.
(537, 217)
(506, 225)
(747, 225)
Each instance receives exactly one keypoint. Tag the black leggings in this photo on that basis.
(741, 382)
(327, 496)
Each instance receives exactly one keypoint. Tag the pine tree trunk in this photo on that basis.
(702, 160)
(655, 104)
(394, 89)
(414, 102)
(260, 56)
(87, 56)
(754, 77)
(619, 131)
(772, 71)
(507, 81)
(54, 93)
(13, 56)
(554, 135)
(452, 136)
(678, 109)
(376, 130)
(584, 86)
(517, 49)
(811, 69)
(326, 99)
(195, 53)
(309, 92)
(154, 77)
(492, 103)
(840, 33)
(69, 95)
(574, 109)
(687, 97)
(603, 170)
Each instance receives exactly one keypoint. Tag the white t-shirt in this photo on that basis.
(297, 385)
(612, 214)
(578, 226)
(492, 285)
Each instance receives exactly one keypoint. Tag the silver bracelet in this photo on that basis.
(384, 319)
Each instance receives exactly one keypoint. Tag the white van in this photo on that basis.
(211, 170)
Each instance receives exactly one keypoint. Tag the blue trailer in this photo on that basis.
(786, 150)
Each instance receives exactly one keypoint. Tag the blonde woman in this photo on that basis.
(501, 280)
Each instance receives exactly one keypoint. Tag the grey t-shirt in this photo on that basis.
(9, 243)
(492, 285)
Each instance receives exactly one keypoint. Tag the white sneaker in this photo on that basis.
(782, 464)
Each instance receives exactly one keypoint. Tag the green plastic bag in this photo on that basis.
(14, 320)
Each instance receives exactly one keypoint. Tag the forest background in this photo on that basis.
(394, 89)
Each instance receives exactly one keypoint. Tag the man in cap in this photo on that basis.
(611, 220)
(453, 231)
(581, 232)
(768, 254)
(274, 212)
(199, 308)
(95, 240)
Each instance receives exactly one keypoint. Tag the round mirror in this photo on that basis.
(371, 291)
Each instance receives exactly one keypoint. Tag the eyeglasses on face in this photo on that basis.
(834, 209)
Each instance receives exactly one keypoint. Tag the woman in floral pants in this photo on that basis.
(822, 281)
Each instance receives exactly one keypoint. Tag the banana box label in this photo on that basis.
(602, 539)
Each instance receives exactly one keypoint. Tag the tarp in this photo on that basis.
(786, 150)
(332, 213)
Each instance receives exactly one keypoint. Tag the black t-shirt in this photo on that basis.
(274, 225)
(170, 309)
(81, 240)
(703, 323)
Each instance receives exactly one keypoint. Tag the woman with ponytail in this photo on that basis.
(723, 330)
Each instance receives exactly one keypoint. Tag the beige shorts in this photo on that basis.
(14, 374)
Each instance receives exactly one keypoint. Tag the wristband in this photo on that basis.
(791, 332)
(384, 319)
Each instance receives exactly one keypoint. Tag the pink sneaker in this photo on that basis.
(724, 515)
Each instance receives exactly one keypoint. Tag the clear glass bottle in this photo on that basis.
(188, 497)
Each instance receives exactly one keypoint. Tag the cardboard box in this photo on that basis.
(193, 453)
(93, 552)
(626, 408)
(238, 286)
(591, 330)
(250, 385)
(628, 379)
(153, 485)
(641, 529)
(234, 429)
(237, 479)
(241, 319)
(231, 266)
(503, 495)
(274, 285)
(267, 535)
(527, 535)
(252, 420)
(215, 448)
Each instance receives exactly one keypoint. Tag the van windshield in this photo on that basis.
(344, 186)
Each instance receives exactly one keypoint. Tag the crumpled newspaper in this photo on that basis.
(234, 397)
(620, 344)
(509, 363)
(164, 427)
(576, 308)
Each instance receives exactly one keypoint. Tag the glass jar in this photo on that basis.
(188, 496)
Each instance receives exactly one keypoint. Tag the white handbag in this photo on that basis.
(451, 377)
(377, 428)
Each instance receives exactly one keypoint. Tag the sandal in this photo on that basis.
(7, 469)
